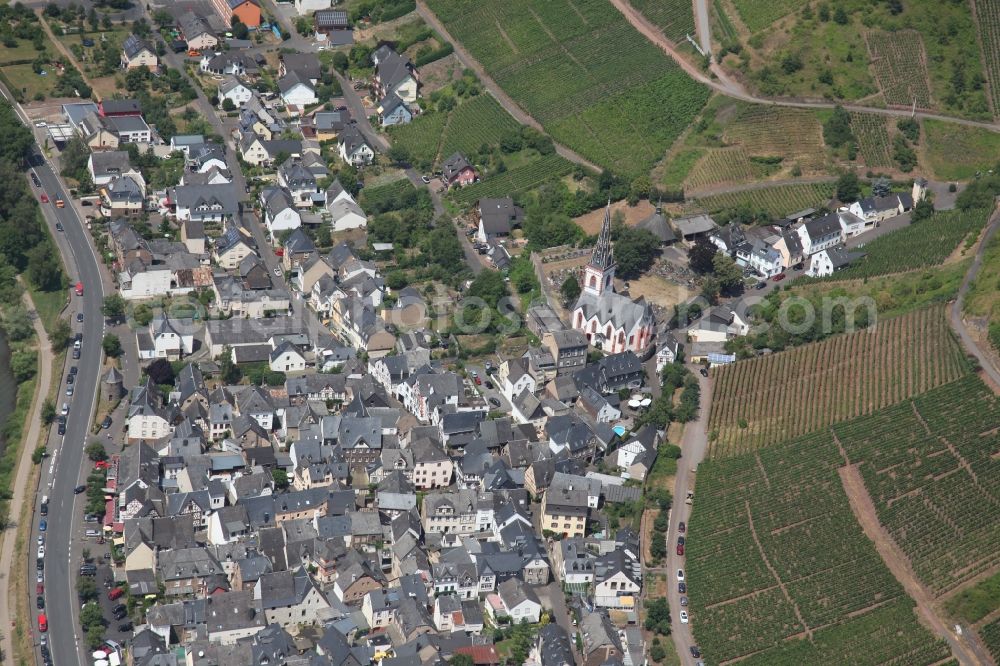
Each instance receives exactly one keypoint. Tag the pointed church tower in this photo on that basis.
(599, 273)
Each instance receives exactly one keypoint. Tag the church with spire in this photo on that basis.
(612, 322)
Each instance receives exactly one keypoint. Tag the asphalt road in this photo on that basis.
(693, 446)
(65, 470)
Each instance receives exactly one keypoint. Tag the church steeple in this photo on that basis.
(599, 274)
(604, 255)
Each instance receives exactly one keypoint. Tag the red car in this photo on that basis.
(115, 592)
(779, 277)
(40, 588)
(44, 198)
(43, 623)
(102, 464)
(478, 381)
(680, 549)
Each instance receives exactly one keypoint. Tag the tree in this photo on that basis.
(44, 270)
(461, 660)
(113, 306)
(848, 187)
(398, 155)
(95, 451)
(230, 372)
(17, 324)
(91, 615)
(24, 364)
(922, 210)
(340, 62)
(837, 129)
(710, 289)
(86, 589)
(635, 250)
(700, 256)
(658, 616)
(570, 289)
(112, 345)
(280, 477)
(881, 187)
(60, 335)
(48, 411)
(910, 129)
(228, 105)
(142, 314)
(728, 274)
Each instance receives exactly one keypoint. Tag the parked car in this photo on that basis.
(682, 588)
(684, 617)
(681, 527)
(684, 601)
(40, 588)
(779, 277)
(42, 525)
(90, 518)
(760, 285)
(61, 429)
(704, 372)
(494, 402)
(41, 551)
(34, 179)
(695, 652)
(59, 227)
(425, 180)
(73, 370)
(106, 423)
(40, 577)
(87, 42)
(70, 378)
(65, 409)
(680, 541)
(478, 381)
(125, 626)
(69, 390)
(680, 574)
(40, 602)
(79, 489)
(489, 384)
(44, 198)
(680, 549)
(79, 317)
(43, 622)
(115, 592)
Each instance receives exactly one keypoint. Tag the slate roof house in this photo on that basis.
(497, 217)
(456, 171)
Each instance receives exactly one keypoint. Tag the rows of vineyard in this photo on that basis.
(674, 17)
(771, 398)
(721, 166)
(516, 180)
(581, 70)
(759, 14)
(374, 197)
(795, 134)
(872, 132)
(774, 551)
(929, 467)
(420, 138)
(474, 123)
(927, 243)
(988, 24)
(990, 633)
(435, 136)
(900, 64)
(778, 201)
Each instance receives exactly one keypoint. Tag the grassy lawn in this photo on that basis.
(23, 51)
(24, 79)
(976, 602)
(955, 152)
(48, 305)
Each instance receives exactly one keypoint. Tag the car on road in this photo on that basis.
(425, 180)
(695, 652)
(43, 622)
(779, 277)
(44, 198)
(494, 402)
(70, 378)
(61, 429)
(115, 592)
(40, 602)
(90, 518)
(79, 489)
(704, 372)
(760, 285)
(125, 626)
(277, 271)
(682, 588)
(684, 601)
(34, 179)
(489, 384)
(684, 617)
(65, 409)
(680, 575)
(680, 549)
(106, 423)
(40, 539)
(41, 551)
(79, 317)
(69, 390)
(76, 353)
(681, 527)
(42, 525)
(59, 226)
(73, 370)
(40, 588)
(60, 203)
(40, 576)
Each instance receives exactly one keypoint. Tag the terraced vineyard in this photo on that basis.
(990, 633)
(435, 136)
(795, 134)
(759, 14)
(921, 245)
(772, 398)
(582, 71)
(900, 64)
(722, 166)
(516, 180)
(778, 567)
(988, 24)
(929, 466)
(674, 17)
(778, 201)
(872, 133)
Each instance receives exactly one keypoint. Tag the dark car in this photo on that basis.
(684, 601)
(494, 402)
(40, 602)
(34, 179)
(695, 652)
(682, 587)
(79, 316)
(74, 370)
(76, 354)
(125, 626)
(87, 42)
(704, 372)
(40, 564)
(70, 378)
(761, 285)
(59, 226)
(681, 527)
(106, 423)
(489, 384)
(61, 429)
(680, 541)
(79, 489)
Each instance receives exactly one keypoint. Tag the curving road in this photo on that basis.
(955, 313)
(65, 466)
